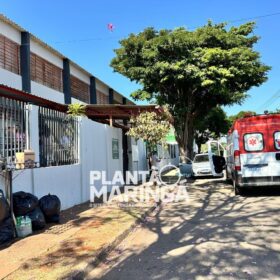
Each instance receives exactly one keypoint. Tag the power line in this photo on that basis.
(116, 37)
(270, 101)
(87, 40)
(256, 17)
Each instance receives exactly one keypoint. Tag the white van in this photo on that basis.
(253, 152)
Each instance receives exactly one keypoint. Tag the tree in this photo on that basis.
(213, 125)
(240, 115)
(150, 127)
(191, 71)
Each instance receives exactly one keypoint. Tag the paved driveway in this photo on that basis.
(215, 235)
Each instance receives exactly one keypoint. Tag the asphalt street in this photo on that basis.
(213, 235)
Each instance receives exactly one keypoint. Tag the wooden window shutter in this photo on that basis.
(9, 55)
(102, 98)
(79, 89)
(45, 73)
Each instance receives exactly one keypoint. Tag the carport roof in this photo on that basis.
(100, 113)
(119, 112)
(15, 94)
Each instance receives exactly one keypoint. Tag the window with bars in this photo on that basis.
(58, 138)
(45, 73)
(12, 128)
(172, 151)
(102, 98)
(79, 89)
(9, 55)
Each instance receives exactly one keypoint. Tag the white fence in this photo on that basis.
(71, 182)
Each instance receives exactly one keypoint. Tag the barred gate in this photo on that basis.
(58, 138)
(12, 128)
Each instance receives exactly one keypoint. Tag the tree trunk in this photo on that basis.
(190, 138)
(198, 147)
(185, 140)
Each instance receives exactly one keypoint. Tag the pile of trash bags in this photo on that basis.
(6, 222)
(47, 209)
(27, 205)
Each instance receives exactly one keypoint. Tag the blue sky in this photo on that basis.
(78, 29)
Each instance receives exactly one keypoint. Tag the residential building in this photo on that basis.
(66, 150)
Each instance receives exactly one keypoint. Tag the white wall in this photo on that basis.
(46, 92)
(79, 74)
(50, 94)
(10, 32)
(96, 154)
(46, 54)
(10, 79)
(113, 164)
(64, 181)
(141, 164)
(102, 87)
(70, 182)
(165, 157)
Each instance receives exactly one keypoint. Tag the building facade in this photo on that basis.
(67, 151)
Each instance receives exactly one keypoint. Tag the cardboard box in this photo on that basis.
(25, 159)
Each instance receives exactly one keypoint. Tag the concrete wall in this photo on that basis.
(10, 79)
(46, 54)
(10, 32)
(140, 163)
(102, 87)
(70, 182)
(79, 74)
(46, 92)
(165, 159)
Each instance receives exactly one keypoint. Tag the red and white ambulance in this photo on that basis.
(253, 152)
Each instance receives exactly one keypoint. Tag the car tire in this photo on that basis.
(237, 190)
(228, 180)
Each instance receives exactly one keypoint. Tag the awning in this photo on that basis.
(19, 95)
(119, 112)
(107, 113)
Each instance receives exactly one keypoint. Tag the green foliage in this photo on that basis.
(212, 125)
(240, 115)
(150, 127)
(76, 110)
(215, 121)
(192, 71)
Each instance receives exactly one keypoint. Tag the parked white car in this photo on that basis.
(201, 165)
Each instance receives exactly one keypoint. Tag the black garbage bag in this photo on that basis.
(50, 206)
(6, 230)
(37, 218)
(53, 219)
(4, 207)
(24, 203)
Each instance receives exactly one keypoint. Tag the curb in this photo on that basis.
(86, 266)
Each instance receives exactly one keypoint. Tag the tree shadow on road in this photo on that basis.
(215, 236)
(250, 192)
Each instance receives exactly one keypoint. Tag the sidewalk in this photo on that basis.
(63, 250)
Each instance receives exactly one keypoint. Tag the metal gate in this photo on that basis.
(58, 138)
(13, 136)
